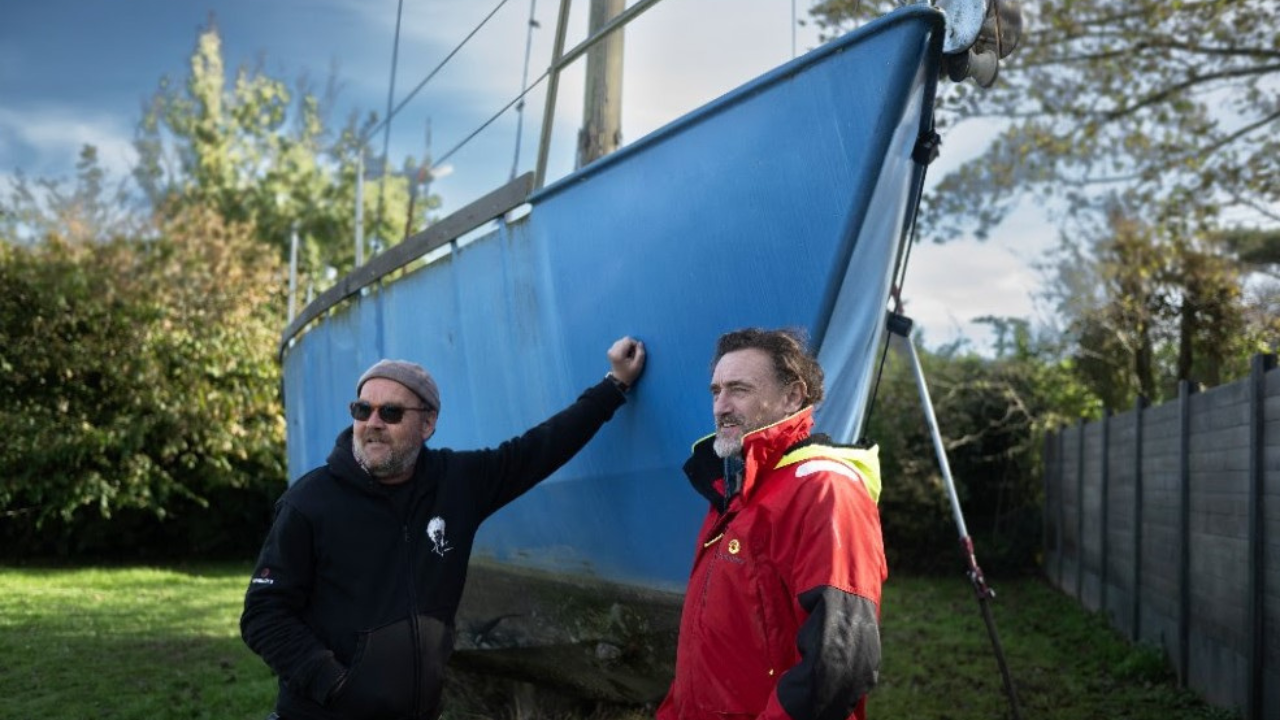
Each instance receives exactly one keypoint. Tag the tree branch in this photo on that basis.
(1257, 207)
(1239, 134)
(1158, 97)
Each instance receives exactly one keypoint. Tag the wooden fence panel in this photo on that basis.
(1218, 641)
(1119, 593)
(1068, 561)
(1270, 516)
(1089, 580)
(1167, 520)
(1160, 532)
(1052, 553)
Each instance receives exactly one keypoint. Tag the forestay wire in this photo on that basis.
(437, 69)
(895, 293)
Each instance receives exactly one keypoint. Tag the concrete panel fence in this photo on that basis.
(1167, 520)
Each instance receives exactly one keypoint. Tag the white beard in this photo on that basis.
(727, 447)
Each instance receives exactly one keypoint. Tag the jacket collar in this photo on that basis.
(762, 449)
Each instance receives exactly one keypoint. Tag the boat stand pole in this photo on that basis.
(900, 325)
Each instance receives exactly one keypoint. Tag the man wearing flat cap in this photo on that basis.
(353, 599)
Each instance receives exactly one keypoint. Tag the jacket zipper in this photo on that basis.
(707, 558)
(414, 630)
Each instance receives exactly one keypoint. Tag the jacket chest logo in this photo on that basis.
(435, 531)
(729, 551)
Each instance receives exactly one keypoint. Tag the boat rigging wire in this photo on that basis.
(495, 116)
(895, 292)
(558, 62)
(385, 125)
(924, 153)
(417, 88)
(524, 84)
(386, 135)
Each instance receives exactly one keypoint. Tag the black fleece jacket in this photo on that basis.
(353, 599)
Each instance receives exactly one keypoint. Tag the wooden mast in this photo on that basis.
(601, 131)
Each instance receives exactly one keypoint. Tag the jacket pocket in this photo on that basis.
(435, 645)
(382, 682)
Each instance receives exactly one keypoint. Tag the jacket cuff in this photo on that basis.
(608, 391)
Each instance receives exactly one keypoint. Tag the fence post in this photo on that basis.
(1105, 513)
(1080, 511)
(1062, 510)
(1048, 463)
(1184, 529)
(1256, 617)
(1135, 634)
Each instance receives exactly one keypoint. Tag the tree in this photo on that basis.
(139, 383)
(1258, 249)
(138, 379)
(993, 414)
(44, 207)
(1175, 104)
(1163, 305)
(1154, 121)
(255, 156)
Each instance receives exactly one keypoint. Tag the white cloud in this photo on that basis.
(949, 285)
(46, 141)
(678, 56)
(682, 55)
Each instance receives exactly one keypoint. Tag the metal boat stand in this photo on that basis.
(900, 325)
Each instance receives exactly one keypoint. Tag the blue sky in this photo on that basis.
(78, 71)
(75, 72)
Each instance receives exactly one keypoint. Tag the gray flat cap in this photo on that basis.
(411, 375)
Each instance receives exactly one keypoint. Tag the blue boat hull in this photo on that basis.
(783, 203)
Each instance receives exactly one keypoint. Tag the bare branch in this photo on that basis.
(1172, 90)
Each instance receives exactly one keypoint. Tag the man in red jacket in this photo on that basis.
(781, 615)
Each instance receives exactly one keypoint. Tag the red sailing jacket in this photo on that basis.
(781, 615)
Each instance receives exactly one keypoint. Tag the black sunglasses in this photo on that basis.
(390, 413)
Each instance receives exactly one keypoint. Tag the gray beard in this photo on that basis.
(395, 464)
(726, 447)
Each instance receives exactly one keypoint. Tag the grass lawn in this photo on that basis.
(159, 643)
(127, 643)
(1067, 663)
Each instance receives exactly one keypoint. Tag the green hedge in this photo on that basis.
(139, 394)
